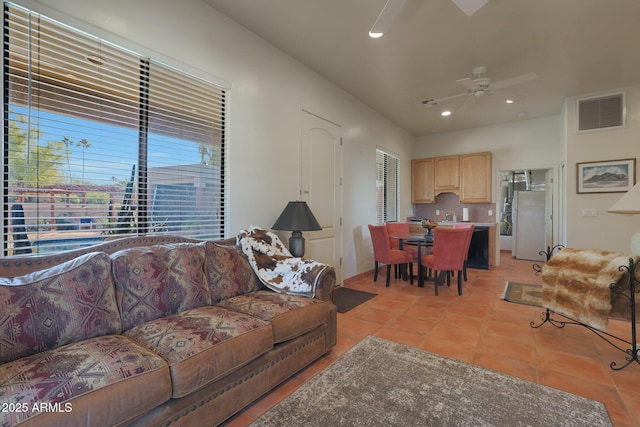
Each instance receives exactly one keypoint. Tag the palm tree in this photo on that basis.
(68, 143)
(84, 144)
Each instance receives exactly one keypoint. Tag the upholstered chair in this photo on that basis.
(448, 255)
(383, 253)
(470, 227)
(399, 230)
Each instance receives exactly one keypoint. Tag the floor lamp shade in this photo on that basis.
(630, 204)
(296, 217)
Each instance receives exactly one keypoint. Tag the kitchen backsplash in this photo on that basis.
(449, 202)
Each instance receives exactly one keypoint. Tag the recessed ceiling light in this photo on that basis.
(510, 101)
(445, 113)
(375, 35)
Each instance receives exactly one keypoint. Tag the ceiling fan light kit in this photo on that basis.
(477, 87)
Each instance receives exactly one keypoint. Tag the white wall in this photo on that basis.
(268, 92)
(605, 231)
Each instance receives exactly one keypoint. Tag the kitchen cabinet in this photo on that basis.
(475, 177)
(467, 175)
(422, 180)
(447, 176)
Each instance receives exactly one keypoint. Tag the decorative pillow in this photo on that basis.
(228, 272)
(56, 306)
(157, 281)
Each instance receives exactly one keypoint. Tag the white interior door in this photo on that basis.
(321, 188)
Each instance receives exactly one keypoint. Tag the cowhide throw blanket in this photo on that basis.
(275, 266)
(576, 283)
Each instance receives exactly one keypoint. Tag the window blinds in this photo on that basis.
(102, 141)
(387, 167)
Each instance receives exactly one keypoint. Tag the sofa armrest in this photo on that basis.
(326, 284)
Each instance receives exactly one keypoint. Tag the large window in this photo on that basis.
(387, 167)
(101, 141)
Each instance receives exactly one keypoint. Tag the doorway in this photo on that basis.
(526, 205)
(321, 188)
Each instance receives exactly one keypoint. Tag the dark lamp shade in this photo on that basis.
(297, 216)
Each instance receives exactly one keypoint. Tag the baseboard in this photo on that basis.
(357, 277)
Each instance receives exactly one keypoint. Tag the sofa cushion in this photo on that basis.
(289, 315)
(160, 280)
(228, 272)
(204, 344)
(99, 381)
(57, 306)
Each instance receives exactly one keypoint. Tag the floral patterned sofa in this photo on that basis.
(143, 331)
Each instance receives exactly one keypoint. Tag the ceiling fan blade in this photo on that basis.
(447, 98)
(514, 81)
(469, 7)
(386, 17)
(432, 102)
(467, 82)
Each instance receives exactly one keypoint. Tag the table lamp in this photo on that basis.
(297, 217)
(630, 204)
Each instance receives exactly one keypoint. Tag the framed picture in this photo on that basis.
(612, 176)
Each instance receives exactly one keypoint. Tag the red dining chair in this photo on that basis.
(383, 253)
(448, 255)
(470, 228)
(399, 230)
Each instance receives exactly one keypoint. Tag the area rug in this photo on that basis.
(382, 383)
(346, 299)
(523, 293)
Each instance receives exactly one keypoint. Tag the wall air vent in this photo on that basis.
(603, 112)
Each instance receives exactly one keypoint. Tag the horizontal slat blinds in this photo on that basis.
(387, 168)
(102, 141)
(186, 118)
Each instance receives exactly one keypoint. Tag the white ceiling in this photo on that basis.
(575, 47)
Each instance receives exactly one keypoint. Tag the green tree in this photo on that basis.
(67, 152)
(31, 161)
(84, 144)
(209, 155)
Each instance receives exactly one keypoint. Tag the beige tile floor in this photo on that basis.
(480, 328)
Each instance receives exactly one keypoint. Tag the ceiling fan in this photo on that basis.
(392, 7)
(477, 87)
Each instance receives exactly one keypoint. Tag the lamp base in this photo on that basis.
(296, 244)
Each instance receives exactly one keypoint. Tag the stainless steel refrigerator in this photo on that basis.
(529, 227)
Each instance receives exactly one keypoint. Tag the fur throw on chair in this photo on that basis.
(576, 283)
(275, 266)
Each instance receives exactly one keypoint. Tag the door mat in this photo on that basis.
(523, 293)
(346, 299)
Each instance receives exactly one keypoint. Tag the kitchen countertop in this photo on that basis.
(446, 224)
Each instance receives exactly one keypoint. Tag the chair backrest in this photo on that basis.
(450, 248)
(400, 229)
(470, 228)
(380, 241)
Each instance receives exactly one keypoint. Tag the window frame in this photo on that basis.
(144, 225)
(386, 164)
